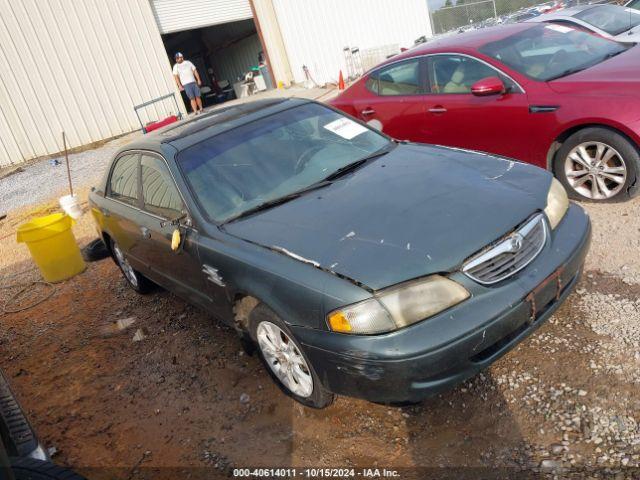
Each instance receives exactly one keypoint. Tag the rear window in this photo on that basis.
(123, 184)
(549, 51)
(400, 79)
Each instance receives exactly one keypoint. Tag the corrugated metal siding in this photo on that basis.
(78, 67)
(316, 31)
(272, 36)
(176, 15)
(233, 61)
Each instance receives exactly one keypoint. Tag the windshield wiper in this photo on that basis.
(566, 73)
(278, 201)
(571, 71)
(355, 165)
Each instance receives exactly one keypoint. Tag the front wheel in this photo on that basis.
(597, 164)
(285, 361)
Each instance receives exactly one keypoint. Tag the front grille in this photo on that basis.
(509, 255)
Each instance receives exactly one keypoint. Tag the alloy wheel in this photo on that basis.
(595, 170)
(284, 359)
(126, 267)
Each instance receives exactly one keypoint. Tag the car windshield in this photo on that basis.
(546, 52)
(610, 18)
(274, 157)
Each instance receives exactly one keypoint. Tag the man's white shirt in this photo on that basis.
(185, 71)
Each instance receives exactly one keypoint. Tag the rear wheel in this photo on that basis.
(135, 279)
(285, 360)
(597, 164)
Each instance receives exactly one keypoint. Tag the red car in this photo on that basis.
(551, 95)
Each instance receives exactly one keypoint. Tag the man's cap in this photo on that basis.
(178, 54)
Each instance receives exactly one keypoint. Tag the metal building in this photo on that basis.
(77, 66)
(80, 66)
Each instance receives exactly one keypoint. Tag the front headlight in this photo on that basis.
(557, 203)
(398, 307)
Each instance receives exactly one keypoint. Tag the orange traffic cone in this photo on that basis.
(340, 81)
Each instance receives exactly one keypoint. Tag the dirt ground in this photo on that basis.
(186, 402)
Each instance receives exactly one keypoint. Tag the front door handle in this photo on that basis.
(368, 111)
(146, 233)
(438, 109)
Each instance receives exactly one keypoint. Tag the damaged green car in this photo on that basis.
(354, 264)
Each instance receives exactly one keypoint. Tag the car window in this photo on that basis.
(610, 18)
(272, 157)
(372, 82)
(159, 193)
(400, 79)
(123, 184)
(546, 52)
(457, 74)
(635, 4)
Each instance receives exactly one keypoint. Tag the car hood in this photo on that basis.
(415, 211)
(618, 76)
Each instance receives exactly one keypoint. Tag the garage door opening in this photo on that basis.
(229, 57)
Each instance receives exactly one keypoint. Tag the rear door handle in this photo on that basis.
(368, 111)
(438, 109)
(146, 233)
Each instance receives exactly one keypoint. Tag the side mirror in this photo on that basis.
(488, 86)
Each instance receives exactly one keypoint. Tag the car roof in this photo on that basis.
(185, 133)
(466, 41)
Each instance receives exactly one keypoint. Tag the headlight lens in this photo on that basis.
(398, 307)
(557, 203)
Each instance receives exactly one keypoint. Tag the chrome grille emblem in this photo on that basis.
(509, 255)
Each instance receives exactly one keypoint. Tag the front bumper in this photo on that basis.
(436, 354)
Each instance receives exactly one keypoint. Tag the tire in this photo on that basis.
(31, 469)
(95, 251)
(610, 163)
(261, 328)
(135, 279)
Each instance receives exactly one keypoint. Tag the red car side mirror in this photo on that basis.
(488, 86)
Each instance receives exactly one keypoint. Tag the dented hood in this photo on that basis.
(415, 211)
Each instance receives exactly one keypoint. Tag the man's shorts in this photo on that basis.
(192, 90)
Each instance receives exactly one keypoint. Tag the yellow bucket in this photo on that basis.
(52, 246)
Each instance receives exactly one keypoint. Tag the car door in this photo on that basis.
(497, 124)
(122, 207)
(163, 212)
(395, 99)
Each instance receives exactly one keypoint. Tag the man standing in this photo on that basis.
(188, 80)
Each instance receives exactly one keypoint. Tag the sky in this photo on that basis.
(435, 4)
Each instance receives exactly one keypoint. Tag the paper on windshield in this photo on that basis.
(560, 28)
(345, 128)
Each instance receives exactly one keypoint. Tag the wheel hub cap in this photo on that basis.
(595, 170)
(126, 267)
(284, 359)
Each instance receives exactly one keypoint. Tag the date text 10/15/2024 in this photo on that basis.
(315, 473)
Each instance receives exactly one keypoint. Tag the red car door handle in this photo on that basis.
(438, 109)
(368, 111)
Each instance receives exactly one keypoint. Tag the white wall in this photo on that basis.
(77, 66)
(316, 31)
